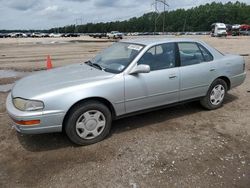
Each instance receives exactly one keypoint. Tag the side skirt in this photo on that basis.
(156, 108)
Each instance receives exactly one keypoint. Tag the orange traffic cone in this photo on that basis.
(49, 62)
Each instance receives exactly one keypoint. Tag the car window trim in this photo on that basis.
(199, 45)
(201, 52)
(177, 55)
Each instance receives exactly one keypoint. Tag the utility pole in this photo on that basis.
(156, 17)
(80, 20)
(164, 15)
(76, 27)
(185, 23)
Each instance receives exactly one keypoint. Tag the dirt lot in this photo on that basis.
(182, 146)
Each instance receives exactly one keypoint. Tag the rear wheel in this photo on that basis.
(88, 123)
(215, 96)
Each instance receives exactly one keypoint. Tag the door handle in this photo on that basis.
(172, 77)
(211, 70)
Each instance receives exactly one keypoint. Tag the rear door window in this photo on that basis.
(206, 54)
(190, 53)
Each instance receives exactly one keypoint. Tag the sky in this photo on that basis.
(45, 14)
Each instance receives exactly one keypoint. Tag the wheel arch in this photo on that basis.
(227, 80)
(99, 99)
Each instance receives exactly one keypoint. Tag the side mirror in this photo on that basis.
(142, 68)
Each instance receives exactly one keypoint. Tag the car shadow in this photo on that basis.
(54, 141)
(161, 115)
(155, 117)
(230, 98)
(44, 142)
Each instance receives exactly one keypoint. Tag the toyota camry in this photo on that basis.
(131, 76)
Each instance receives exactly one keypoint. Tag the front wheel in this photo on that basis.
(88, 123)
(215, 95)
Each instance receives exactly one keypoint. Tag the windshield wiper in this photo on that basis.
(98, 66)
(94, 65)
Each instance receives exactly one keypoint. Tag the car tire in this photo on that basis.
(88, 123)
(215, 95)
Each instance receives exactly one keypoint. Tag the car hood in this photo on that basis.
(51, 80)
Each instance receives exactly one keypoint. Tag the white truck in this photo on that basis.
(115, 35)
(219, 30)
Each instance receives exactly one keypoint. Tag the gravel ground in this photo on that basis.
(182, 146)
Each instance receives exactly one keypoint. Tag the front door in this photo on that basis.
(158, 87)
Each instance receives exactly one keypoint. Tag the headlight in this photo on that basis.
(27, 105)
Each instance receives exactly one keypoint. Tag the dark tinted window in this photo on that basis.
(206, 54)
(159, 57)
(190, 54)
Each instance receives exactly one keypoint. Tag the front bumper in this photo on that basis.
(50, 121)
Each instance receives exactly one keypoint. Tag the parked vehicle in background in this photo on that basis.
(245, 30)
(133, 34)
(218, 30)
(36, 35)
(4, 35)
(28, 34)
(229, 29)
(115, 35)
(39, 35)
(70, 35)
(129, 77)
(55, 35)
(18, 35)
(236, 30)
(98, 35)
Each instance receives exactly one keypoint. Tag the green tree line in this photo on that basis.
(195, 19)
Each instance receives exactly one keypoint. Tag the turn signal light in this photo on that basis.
(29, 122)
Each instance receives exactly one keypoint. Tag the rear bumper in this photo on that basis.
(50, 121)
(237, 80)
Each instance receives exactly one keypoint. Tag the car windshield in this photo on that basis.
(117, 57)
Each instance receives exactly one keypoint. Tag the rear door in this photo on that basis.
(196, 70)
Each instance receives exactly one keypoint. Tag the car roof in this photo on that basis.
(157, 40)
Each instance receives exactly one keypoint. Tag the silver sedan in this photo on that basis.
(129, 77)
